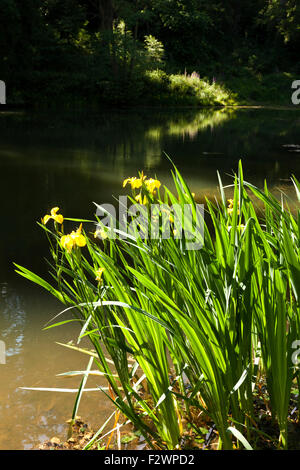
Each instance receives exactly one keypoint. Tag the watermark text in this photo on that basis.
(2, 92)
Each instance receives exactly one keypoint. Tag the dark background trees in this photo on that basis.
(84, 48)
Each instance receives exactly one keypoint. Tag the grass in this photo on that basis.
(187, 337)
(184, 90)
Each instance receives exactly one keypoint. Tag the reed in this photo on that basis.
(185, 329)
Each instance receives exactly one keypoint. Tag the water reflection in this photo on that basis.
(76, 158)
(33, 359)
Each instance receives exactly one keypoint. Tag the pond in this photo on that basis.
(71, 160)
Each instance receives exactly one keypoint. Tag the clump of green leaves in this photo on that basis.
(192, 329)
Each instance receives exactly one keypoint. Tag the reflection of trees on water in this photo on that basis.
(116, 138)
(110, 145)
(76, 158)
(182, 127)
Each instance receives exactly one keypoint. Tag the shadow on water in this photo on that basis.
(70, 160)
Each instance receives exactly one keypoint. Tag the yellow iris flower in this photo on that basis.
(102, 233)
(140, 199)
(152, 185)
(73, 239)
(99, 273)
(131, 181)
(134, 182)
(53, 215)
(230, 207)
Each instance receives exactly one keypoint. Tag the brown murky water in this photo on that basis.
(74, 159)
(33, 359)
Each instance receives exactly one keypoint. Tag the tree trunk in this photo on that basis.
(106, 14)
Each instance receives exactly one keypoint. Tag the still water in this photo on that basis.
(77, 158)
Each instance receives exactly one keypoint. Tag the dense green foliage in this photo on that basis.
(100, 50)
(194, 332)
